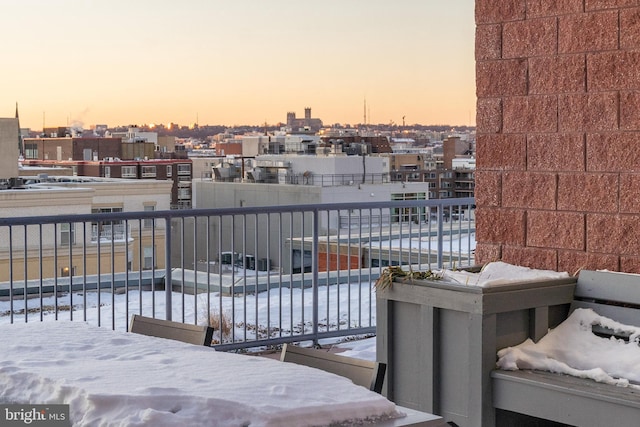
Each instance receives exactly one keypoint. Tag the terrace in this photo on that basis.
(261, 277)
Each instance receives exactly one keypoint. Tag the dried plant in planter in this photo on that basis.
(389, 274)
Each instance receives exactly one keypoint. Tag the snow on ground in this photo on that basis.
(279, 311)
(113, 378)
(571, 348)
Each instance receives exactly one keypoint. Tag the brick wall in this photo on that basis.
(558, 144)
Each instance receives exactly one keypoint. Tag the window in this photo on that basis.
(184, 193)
(107, 171)
(149, 254)
(129, 172)
(184, 169)
(67, 234)
(169, 171)
(30, 151)
(66, 271)
(148, 222)
(107, 230)
(148, 171)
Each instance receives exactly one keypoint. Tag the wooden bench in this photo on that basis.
(362, 372)
(567, 400)
(191, 334)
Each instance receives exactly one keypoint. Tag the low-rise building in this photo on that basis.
(178, 172)
(134, 247)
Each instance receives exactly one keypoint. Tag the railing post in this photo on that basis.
(314, 274)
(167, 268)
(440, 234)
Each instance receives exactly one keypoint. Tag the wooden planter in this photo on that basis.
(439, 340)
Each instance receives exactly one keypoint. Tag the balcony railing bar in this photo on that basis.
(353, 256)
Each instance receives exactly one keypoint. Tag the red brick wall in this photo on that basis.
(558, 144)
(344, 262)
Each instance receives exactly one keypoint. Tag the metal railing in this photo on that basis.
(261, 276)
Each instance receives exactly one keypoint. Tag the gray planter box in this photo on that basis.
(440, 339)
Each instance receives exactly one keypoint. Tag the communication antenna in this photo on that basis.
(365, 112)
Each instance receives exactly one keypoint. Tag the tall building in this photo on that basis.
(9, 147)
(307, 123)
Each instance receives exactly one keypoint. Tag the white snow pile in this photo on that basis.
(573, 349)
(114, 378)
(500, 273)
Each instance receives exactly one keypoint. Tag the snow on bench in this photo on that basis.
(585, 372)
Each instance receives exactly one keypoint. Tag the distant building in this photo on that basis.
(132, 155)
(295, 179)
(133, 248)
(307, 123)
(72, 148)
(448, 173)
(9, 147)
(177, 171)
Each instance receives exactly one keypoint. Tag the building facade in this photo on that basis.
(558, 134)
(9, 141)
(134, 246)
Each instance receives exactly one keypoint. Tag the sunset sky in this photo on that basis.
(120, 62)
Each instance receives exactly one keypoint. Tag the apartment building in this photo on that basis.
(449, 173)
(135, 157)
(59, 253)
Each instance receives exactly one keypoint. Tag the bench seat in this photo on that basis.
(565, 399)
(571, 400)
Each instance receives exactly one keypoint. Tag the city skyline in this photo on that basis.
(115, 62)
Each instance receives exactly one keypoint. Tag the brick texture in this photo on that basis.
(494, 11)
(501, 78)
(501, 152)
(613, 71)
(558, 133)
(556, 152)
(546, 259)
(630, 264)
(537, 8)
(613, 234)
(488, 188)
(629, 107)
(588, 32)
(574, 261)
(629, 191)
(588, 192)
(588, 112)
(500, 225)
(557, 74)
(563, 230)
(608, 4)
(530, 114)
(529, 190)
(486, 253)
(528, 38)
(613, 152)
(630, 28)
(489, 41)
(489, 115)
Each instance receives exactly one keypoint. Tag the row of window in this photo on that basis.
(104, 230)
(147, 171)
(149, 262)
